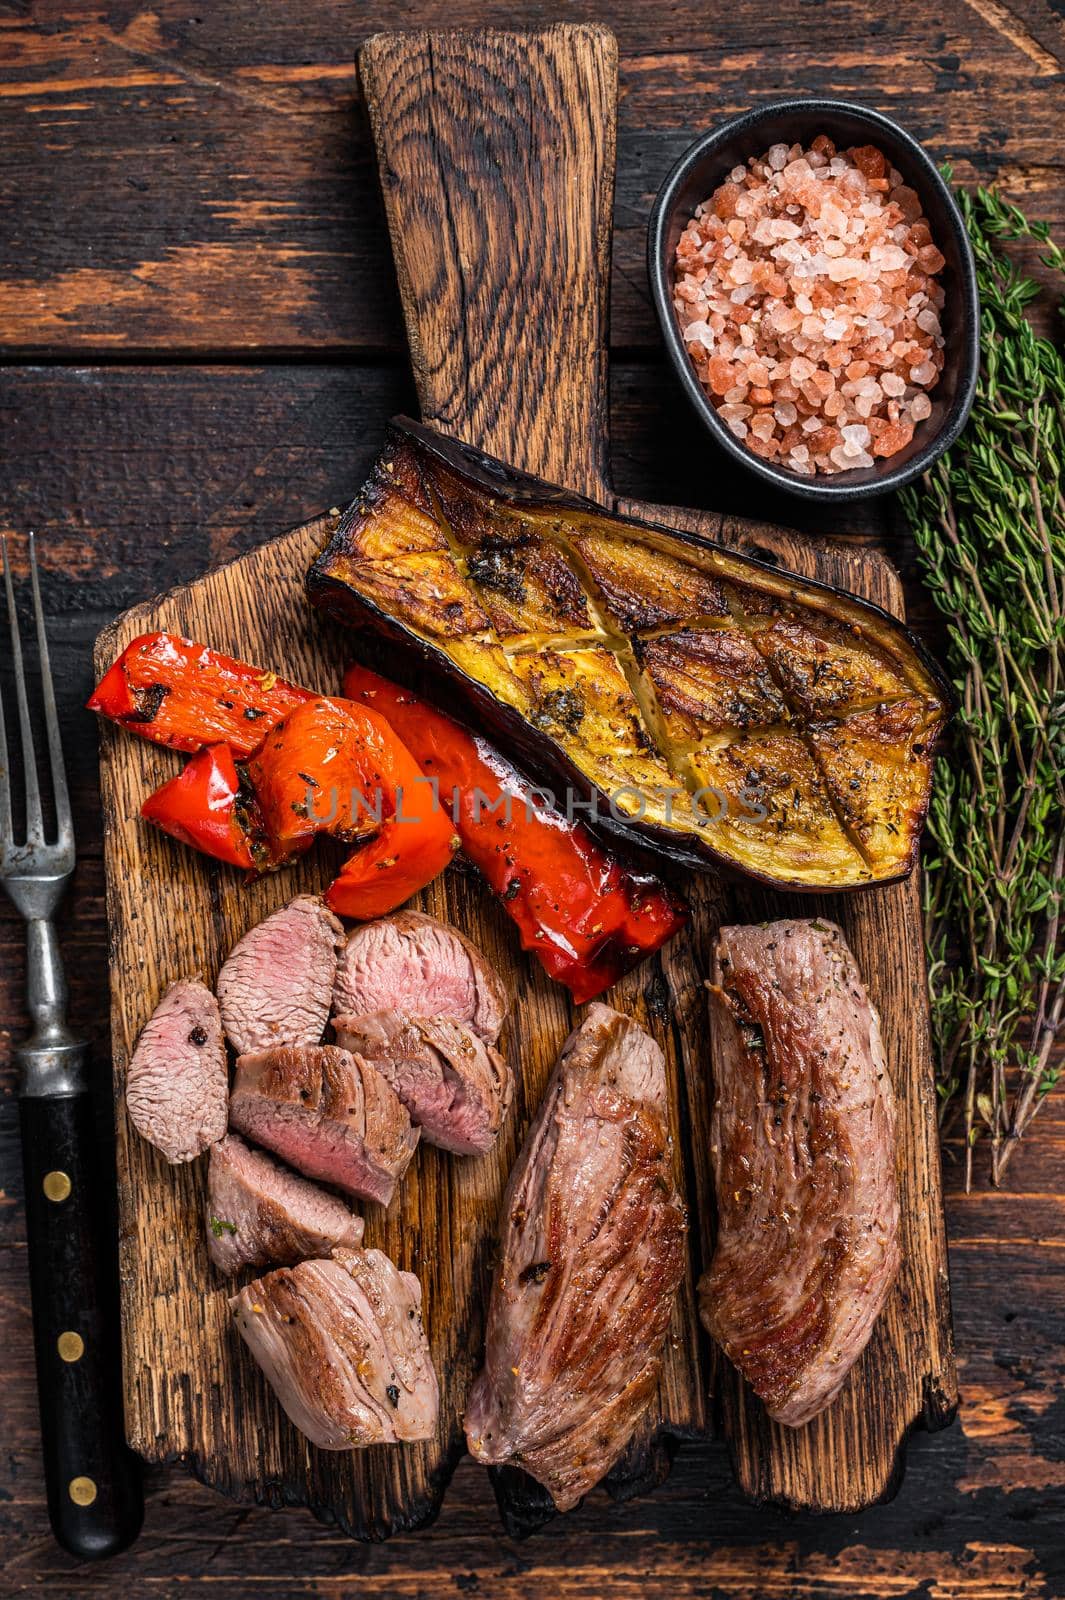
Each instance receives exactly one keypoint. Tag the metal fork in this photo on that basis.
(94, 1492)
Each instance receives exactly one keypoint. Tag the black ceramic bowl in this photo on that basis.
(708, 163)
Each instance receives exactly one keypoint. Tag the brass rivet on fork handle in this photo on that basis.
(71, 1346)
(56, 1186)
(94, 1495)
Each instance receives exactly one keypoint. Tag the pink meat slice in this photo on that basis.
(329, 1114)
(276, 985)
(591, 1253)
(177, 1086)
(342, 1345)
(258, 1212)
(456, 1088)
(413, 963)
(804, 1141)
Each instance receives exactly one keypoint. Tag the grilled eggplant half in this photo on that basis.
(716, 708)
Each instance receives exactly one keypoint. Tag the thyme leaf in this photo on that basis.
(989, 525)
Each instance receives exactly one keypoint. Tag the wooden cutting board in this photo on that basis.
(497, 163)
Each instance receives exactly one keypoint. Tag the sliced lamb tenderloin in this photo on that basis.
(804, 1142)
(177, 1086)
(591, 1253)
(412, 963)
(342, 1345)
(276, 984)
(456, 1088)
(328, 1113)
(258, 1213)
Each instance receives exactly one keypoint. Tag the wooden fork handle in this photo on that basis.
(95, 1499)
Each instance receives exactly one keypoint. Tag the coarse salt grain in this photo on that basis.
(802, 287)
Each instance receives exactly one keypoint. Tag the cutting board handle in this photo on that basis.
(496, 153)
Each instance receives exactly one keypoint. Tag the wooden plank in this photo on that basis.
(227, 1425)
(445, 1219)
(496, 154)
(133, 486)
(481, 377)
(140, 477)
(204, 181)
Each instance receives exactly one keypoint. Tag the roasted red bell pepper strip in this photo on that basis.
(333, 766)
(586, 917)
(208, 807)
(324, 769)
(184, 695)
(413, 847)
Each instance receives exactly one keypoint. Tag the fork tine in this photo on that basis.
(34, 820)
(64, 824)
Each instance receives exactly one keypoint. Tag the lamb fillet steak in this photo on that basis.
(327, 1113)
(177, 1085)
(456, 1088)
(803, 1139)
(277, 982)
(412, 963)
(258, 1213)
(591, 1252)
(341, 1343)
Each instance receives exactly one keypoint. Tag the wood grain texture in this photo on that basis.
(188, 178)
(236, 209)
(444, 1222)
(496, 153)
(92, 460)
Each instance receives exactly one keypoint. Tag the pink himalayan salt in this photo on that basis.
(806, 288)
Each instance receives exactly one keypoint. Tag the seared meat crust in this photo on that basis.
(456, 1088)
(341, 1343)
(258, 1213)
(803, 1143)
(592, 1250)
(330, 1114)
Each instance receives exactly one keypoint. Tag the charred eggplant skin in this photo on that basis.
(416, 460)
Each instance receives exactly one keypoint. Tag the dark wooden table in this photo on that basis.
(201, 339)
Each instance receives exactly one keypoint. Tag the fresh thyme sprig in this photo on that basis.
(989, 524)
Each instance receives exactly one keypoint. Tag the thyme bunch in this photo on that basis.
(989, 524)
